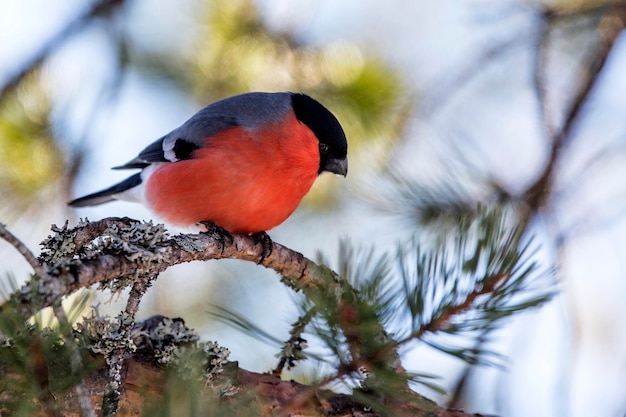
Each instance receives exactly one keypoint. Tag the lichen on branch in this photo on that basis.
(116, 252)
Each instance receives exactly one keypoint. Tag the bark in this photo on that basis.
(262, 394)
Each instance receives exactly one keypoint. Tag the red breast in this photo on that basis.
(245, 181)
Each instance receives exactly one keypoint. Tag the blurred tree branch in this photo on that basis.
(610, 27)
(536, 197)
(97, 9)
(35, 161)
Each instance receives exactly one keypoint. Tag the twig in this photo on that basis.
(439, 322)
(117, 358)
(295, 341)
(543, 38)
(10, 238)
(612, 24)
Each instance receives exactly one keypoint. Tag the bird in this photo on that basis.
(243, 163)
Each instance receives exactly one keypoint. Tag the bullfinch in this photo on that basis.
(243, 163)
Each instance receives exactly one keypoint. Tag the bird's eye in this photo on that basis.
(323, 148)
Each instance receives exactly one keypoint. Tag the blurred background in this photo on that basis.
(465, 102)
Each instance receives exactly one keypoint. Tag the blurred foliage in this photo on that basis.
(236, 52)
(31, 159)
(36, 362)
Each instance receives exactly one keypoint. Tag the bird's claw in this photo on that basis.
(223, 236)
(266, 242)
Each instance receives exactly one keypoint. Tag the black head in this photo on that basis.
(333, 145)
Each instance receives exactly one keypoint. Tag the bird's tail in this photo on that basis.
(108, 194)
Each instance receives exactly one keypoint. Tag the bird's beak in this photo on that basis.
(337, 166)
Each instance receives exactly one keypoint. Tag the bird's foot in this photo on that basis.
(266, 241)
(223, 236)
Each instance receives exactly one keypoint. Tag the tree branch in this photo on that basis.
(536, 195)
(250, 393)
(87, 260)
(11, 239)
(611, 25)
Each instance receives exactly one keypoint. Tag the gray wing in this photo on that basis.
(250, 110)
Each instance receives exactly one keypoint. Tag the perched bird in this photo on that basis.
(243, 163)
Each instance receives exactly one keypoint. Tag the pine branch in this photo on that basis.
(349, 311)
(292, 350)
(612, 24)
(439, 323)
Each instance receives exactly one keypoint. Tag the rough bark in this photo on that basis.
(266, 394)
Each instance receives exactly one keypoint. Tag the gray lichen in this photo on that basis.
(159, 337)
(60, 245)
(140, 242)
(171, 343)
(217, 358)
(103, 334)
(165, 341)
(190, 244)
(62, 253)
(58, 253)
